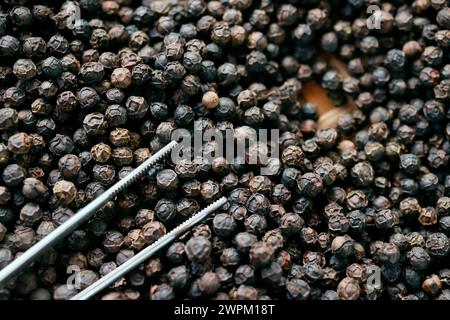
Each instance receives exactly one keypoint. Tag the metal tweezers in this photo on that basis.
(88, 211)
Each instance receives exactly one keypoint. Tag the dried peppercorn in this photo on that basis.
(348, 289)
(13, 175)
(65, 191)
(260, 254)
(19, 143)
(121, 78)
(232, 67)
(297, 289)
(94, 124)
(69, 165)
(310, 184)
(198, 249)
(179, 277)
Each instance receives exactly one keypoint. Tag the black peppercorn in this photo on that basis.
(64, 191)
(291, 224)
(94, 123)
(260, 254)
(179, 277)
(209, 190)
(198, 249)
(13, 175)
(224, 225)
(255, 223)
(165, 209)
(297, 289)
(362, 173)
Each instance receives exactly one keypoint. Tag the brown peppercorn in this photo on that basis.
(221, 33)
(348, 289)
(167, 180)
(343, 246)
(292, 156)
(257, 40)
(110, 7)
(432, 285)
(65, 191)
(48, 276)
(152, 231)
(409, 207)
(103, 86)
(412, 48)
(428, 216)
(101, 152)
(135, 239)
(41, 107)
(238, 35)
(210, 100)
(120, 137)
(140, 155)
(121, 78)
(19, 143)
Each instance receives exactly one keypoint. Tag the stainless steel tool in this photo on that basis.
(146, 253)
(81, 216)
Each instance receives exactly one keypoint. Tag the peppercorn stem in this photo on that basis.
(81, 216)
(134, 262)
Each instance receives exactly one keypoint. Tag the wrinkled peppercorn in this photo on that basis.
(84, 103)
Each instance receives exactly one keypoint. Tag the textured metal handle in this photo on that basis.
(81, 216)
(139, 258)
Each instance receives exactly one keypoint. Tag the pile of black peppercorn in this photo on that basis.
(360, 211)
